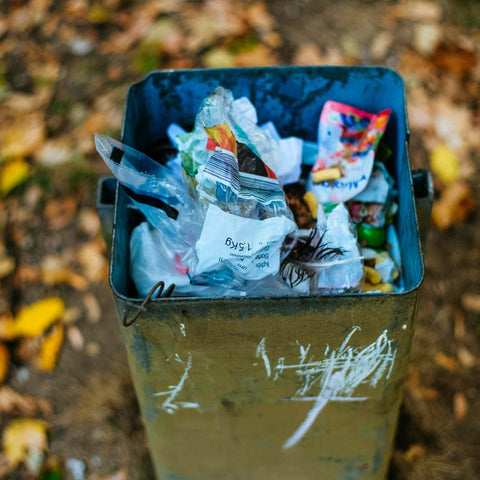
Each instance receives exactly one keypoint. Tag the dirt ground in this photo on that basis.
(95, 414)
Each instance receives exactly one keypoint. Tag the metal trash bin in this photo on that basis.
(276, 388)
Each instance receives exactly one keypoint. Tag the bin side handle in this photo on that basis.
(423, 191)
(127, 322)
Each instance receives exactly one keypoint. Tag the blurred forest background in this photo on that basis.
(67, 406)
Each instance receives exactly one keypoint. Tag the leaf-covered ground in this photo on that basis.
(64, 70)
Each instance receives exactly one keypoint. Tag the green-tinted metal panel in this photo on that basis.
(270, 388)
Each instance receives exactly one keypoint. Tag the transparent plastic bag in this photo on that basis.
(156, 191)
(330, 259)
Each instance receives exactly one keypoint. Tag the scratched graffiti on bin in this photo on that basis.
(335, 378)
(171, 404)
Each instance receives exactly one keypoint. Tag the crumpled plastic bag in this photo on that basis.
(156, 190)
(151, 260)
(345, 272)
(347, 139)
(329, 260)
(227, 223)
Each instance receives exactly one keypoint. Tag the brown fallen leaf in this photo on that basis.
(447, 362)
(455, 59)
(24, 439)
(460, 406)
(27, 349)
(59, 213)
(471, 302)
(414, 387)
(381, 45)
(454, 205)
(414, 453)
(75, 337)
(88, 222)
(258, 16)
(92, 259)
(13, 402)
(7, 266)
(50, 349)
(459, 324)
(23, 137)
(4, 362)
(167, 36)
(71, 315)
(427, 37)
(259, 56)
(93, 349)
(466, 358)
(310, 54)
(55, 271)
(27, 274)
(416, 10)
(92, 308)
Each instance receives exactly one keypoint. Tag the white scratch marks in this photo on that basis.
(337, 376)
(262, 352)
(169, 405)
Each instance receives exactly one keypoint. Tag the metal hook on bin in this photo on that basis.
(161, 284)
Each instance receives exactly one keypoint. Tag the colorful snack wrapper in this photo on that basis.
(347, 139)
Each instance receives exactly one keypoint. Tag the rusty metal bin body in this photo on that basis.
(270, 388)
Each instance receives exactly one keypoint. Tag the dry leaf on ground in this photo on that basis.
(92, 308)
(24, 439)
(55, 271)
(446, 362)
(34, 320)
(471, 302)
(466, 358)
(444, 164)
(59, 213)
(381, 45)
(427, 37)
(50, 348)
(13, 174)
(88, 222)
(7, 265)
(416, 10)
(4, 361)
(259, 56)
(13, 402)
(24, 136)
(456, 202)
(27, 349)
(91, 258)
(75, 337)
(414, 453)
(460, 405)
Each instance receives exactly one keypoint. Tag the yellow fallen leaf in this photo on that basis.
(444, 164)
(23, 137)
(8, 330)
(36, 318)
(50, 349)
(4, 362)
(13, 174)
(23, 438)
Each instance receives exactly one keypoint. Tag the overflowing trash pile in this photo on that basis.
(228, 212)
